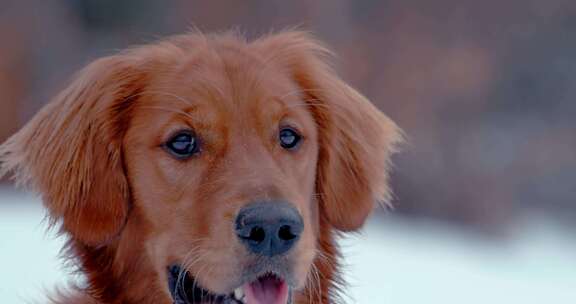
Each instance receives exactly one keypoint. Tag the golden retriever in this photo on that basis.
(206, 169)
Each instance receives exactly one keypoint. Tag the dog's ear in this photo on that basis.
(355, 138)
(71, 151)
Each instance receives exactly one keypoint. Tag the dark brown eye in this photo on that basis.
(183, 145)
(289, 138)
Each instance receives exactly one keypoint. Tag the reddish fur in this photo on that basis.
(75, 152)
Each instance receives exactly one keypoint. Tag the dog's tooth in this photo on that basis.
(238, 293)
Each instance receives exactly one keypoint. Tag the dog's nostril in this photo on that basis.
(257, 234)
(285, 233)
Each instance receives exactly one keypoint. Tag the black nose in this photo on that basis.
(269, 228)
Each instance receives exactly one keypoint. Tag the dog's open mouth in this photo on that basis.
(266, 289)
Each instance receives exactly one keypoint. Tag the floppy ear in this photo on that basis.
(70, 152)
(355, 138)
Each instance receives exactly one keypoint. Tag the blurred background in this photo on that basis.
(485, 188)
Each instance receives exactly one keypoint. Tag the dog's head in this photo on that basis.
(212, 161)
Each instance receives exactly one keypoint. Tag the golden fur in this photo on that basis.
(129, 209)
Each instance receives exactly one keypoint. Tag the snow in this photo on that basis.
(394, 260)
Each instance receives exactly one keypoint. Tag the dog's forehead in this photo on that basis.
(227, 82)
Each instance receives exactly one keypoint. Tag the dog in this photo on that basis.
(206, 169)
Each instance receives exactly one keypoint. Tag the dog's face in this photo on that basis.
(217, 139)
(207, 169)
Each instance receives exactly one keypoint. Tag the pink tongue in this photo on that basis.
(266, 290)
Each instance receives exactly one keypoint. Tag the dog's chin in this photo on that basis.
(267, 288)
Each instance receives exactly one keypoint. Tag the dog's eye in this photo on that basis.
(289, 138)
(183, 145)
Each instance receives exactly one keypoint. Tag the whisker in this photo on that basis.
(188, 256)
(196, 275)
(316, 273)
